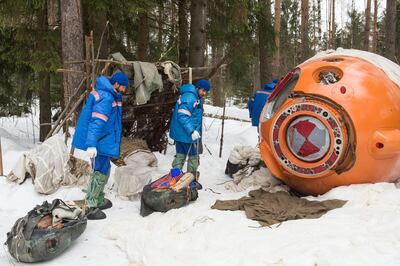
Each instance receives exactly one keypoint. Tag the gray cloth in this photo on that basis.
(271, 208)
(146, 80)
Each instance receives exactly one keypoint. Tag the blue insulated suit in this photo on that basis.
(100, 122)
(257, 104)
(188, 114)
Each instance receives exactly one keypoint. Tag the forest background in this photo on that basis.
(258, 40)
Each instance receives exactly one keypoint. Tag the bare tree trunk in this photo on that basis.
(72, 44)
(173, 24)
(305, 47)
(265, 41)
(143, 37)
(367, 25)
(160, 21)
(333, 29)
(183, 32)
(375, 32)
(197, 32)
(277, 30)
(319, 19)
(44, 79)
(99, 24)
(217, 94)
(390, 40)
(52, 14)
(45, 105)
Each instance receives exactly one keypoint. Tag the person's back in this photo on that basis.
(260, 98)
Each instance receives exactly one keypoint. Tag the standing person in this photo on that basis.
(186, 126)
(99, 133)
(256, 104)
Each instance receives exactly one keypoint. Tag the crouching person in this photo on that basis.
(99, 133)
(186, 126)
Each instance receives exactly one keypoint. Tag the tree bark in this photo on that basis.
(375, 32)
(217, 94)
(332, 38)
(265, 41)
(305, 47)
(44, 79)
(390, 40)
(183, 32)
(143, 37)
(173, 23)
(72, 44)
(319, 19)
(52, 14)
(45, 105)
(160, 21)
(277, 31)
(367, 25)
(197, 32)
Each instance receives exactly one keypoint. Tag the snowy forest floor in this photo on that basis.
(363, 232)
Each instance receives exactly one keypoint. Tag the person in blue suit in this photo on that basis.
(186, 126)
(99, 133)
(256, 104)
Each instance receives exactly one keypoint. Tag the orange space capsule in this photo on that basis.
(334, 120)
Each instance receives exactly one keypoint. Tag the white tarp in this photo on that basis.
(250, 173)
(390, 68)
(261, 178)
(48, 166)
(140, 168)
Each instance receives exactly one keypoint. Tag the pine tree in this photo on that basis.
(305, 46)
(72, 44)
(367, 25)
(197, 32)
(390, 49)
(183, 32)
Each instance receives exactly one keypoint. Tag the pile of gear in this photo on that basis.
(46, 231)
(247, 169)
(172, 191)
(139, 169)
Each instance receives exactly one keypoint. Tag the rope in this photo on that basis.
(212, 191)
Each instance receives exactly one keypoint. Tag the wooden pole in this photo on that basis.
(1, 160)
(65, 109)
(222, 131)
(66, 131)
(93, 62)
(83, 97)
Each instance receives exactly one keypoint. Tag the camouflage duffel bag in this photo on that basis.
(171, 191)
(45, 232)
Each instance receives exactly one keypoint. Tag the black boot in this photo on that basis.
(196, 180)
(95, 214)
(193, 195)
(107, 204)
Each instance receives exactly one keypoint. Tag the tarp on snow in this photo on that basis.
(271, 208)
(50, 166)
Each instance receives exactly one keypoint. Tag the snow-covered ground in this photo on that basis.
(363, 232)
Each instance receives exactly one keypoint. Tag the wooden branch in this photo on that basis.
(62, 70)
(65, 109)
(222, 131)
(93, 62)
(80, 100)
(226, 117)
